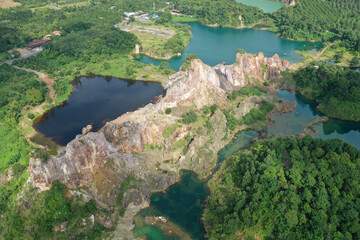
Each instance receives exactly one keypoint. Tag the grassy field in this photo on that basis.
(8, 4)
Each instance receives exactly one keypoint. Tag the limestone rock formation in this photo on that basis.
(95, 164)
(248, 69)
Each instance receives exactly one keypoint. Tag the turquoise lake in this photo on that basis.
(215, 45)
(265, 5)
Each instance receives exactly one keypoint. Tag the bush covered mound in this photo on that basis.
(336, 89)
(287, 189)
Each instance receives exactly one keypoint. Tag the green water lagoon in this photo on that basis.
(242, 140)
(183, 203)
(291, 123)
(265, 5)
(215, 45)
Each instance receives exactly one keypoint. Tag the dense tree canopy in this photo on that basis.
(105, 40)
(225, 12)
(321, 21)
(287, 189)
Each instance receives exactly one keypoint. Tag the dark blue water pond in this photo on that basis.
(95, 100)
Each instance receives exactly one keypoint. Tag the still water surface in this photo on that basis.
(95, 100)
(267, 6)
(183, 203)
(294, 122)
(215, 45)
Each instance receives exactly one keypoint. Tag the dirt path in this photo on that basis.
(322, 51)
(45, 78)
(316, 57)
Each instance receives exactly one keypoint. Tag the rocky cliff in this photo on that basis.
(95, 164)
(249, 68)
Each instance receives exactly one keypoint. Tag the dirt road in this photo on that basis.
(45, 78)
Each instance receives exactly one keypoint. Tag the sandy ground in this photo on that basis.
(8, 4)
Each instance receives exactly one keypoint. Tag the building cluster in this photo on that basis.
(136, 13)
(54, 33)
(39, 43)
(140, 16)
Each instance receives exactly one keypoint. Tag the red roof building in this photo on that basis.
(37, 43)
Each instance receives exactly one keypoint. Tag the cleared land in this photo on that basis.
(8, 4)
(152, 38)
(326, 54)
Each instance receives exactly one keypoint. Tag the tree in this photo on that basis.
(164, 65)
(354, 61)
(338, 56)
(34, 96)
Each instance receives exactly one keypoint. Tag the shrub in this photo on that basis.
(31, 115)
(187, 61)
(213, 108)
(190, 117)
(168, 111)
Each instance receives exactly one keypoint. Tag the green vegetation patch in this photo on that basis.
(246, 91)
(190, 117)
(170, 130)
(287, 189)
(256, 118)
(48, 210)
(224, 13)
(19, 90)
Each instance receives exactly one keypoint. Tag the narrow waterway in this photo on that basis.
(305, 112)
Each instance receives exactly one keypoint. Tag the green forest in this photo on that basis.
(336, 89)
(287, 189)
(323, 21)
(19, 90)
(224, 13)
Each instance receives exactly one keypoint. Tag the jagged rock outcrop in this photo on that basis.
(97, 163)
(248, 69)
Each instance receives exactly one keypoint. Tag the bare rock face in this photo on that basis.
(249, 68)
(97, 163)
(198, 86)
